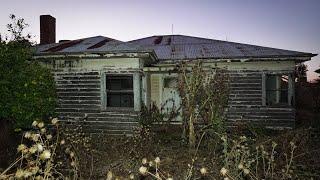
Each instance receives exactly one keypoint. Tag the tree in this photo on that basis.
(301, 72)
(318, 79)
(27, 90)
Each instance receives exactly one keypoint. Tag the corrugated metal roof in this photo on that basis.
(79, 45)
(170, 47)
(179, 47)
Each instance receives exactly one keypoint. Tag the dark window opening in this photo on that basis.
(170, 82)
(119, 91)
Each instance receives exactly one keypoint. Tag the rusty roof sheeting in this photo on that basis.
(186, 47)
(170, 47)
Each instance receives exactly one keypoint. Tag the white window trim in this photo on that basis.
(136, 91)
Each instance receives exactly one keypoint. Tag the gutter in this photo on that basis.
(93, 54)
(300, 58)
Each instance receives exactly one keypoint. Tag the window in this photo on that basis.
(277, 89)
(119, 90)
(170, 82)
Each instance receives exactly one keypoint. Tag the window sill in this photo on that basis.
(279, 106)
(118, 109)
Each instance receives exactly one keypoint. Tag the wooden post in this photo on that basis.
(137, 91)
(146, 89)
(103, 91)
(278, 87)
(290, 90)
(263, 89)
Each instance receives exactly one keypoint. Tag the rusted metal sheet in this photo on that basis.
(180, 47)
(170, 47)
(63, 45)
(99, 44)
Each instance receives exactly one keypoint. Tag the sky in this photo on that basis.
(285, 24)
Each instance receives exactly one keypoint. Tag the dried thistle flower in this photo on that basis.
(27, 174)
(109, 175)
(144, 161)
(49, 136)
(34, 123)
(40, 147)
(27, 135)
(40, 125)
(157, 175)
(151, 164)
(35, 137)
(131, 176)
(34, 170)
(54, 121)
(71, 154)
(21, 147)
(73, 164)
(62, 142)
(203, 171)
(33, 149)
(157, 160)
(223, 171)
(143, 170)
(19, 174)
(43, 130)
(246, 171)
(240, 166)
(45, 155)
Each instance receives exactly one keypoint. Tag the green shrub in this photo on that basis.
(27, 90)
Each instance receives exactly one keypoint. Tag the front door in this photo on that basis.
(170, 96)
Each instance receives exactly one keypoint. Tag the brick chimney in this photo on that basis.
(47, 29)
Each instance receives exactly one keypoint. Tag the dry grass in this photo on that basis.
(286, 155)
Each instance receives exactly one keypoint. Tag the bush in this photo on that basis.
(27, 90)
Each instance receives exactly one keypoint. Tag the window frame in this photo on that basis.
(289, 90)
(105, 91)
(120, 91)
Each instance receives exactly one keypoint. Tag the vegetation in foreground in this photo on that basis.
(61, 152)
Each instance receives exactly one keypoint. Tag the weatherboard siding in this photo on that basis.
(80, 90)
(79, 101)
(246, 102)
(246, 98)
(80, 98)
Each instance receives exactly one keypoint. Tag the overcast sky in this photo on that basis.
(286, 24)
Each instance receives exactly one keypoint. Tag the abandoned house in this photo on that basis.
(106, 81)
